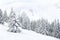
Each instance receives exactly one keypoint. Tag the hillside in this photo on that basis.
(24, 35)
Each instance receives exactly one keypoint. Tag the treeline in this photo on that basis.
(41, 26)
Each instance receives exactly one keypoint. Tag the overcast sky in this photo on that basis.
(48, 9)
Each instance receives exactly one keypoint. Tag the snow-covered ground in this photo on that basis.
(24, 35)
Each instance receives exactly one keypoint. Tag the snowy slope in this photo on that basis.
(24, 35)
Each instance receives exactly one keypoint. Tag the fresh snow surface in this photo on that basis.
(23, 35)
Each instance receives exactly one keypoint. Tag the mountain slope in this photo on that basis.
(24, 35)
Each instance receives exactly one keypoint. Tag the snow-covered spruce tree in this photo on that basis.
(12, 15)
(14, 26)
(57, 29)
(5, 17)
(41, 26)
(1, 17)
(37, 26)
(33, 25)
(54, 29)
(20, 19)
(50, 29)
(25, 21)
(13, 23)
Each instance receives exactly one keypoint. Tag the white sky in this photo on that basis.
(48, 9)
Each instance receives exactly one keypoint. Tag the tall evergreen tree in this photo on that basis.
(5, 17)
(12, 15)
(14, 26)
(13, 23)
(33, 25)
(25, 21)
(1, 16)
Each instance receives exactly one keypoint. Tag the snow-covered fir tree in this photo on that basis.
(14, 26)
(25, 21)
(5, 16)
(12, 15)
(41, 26)
(33, 25)
(13, 23)
(1, 17)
